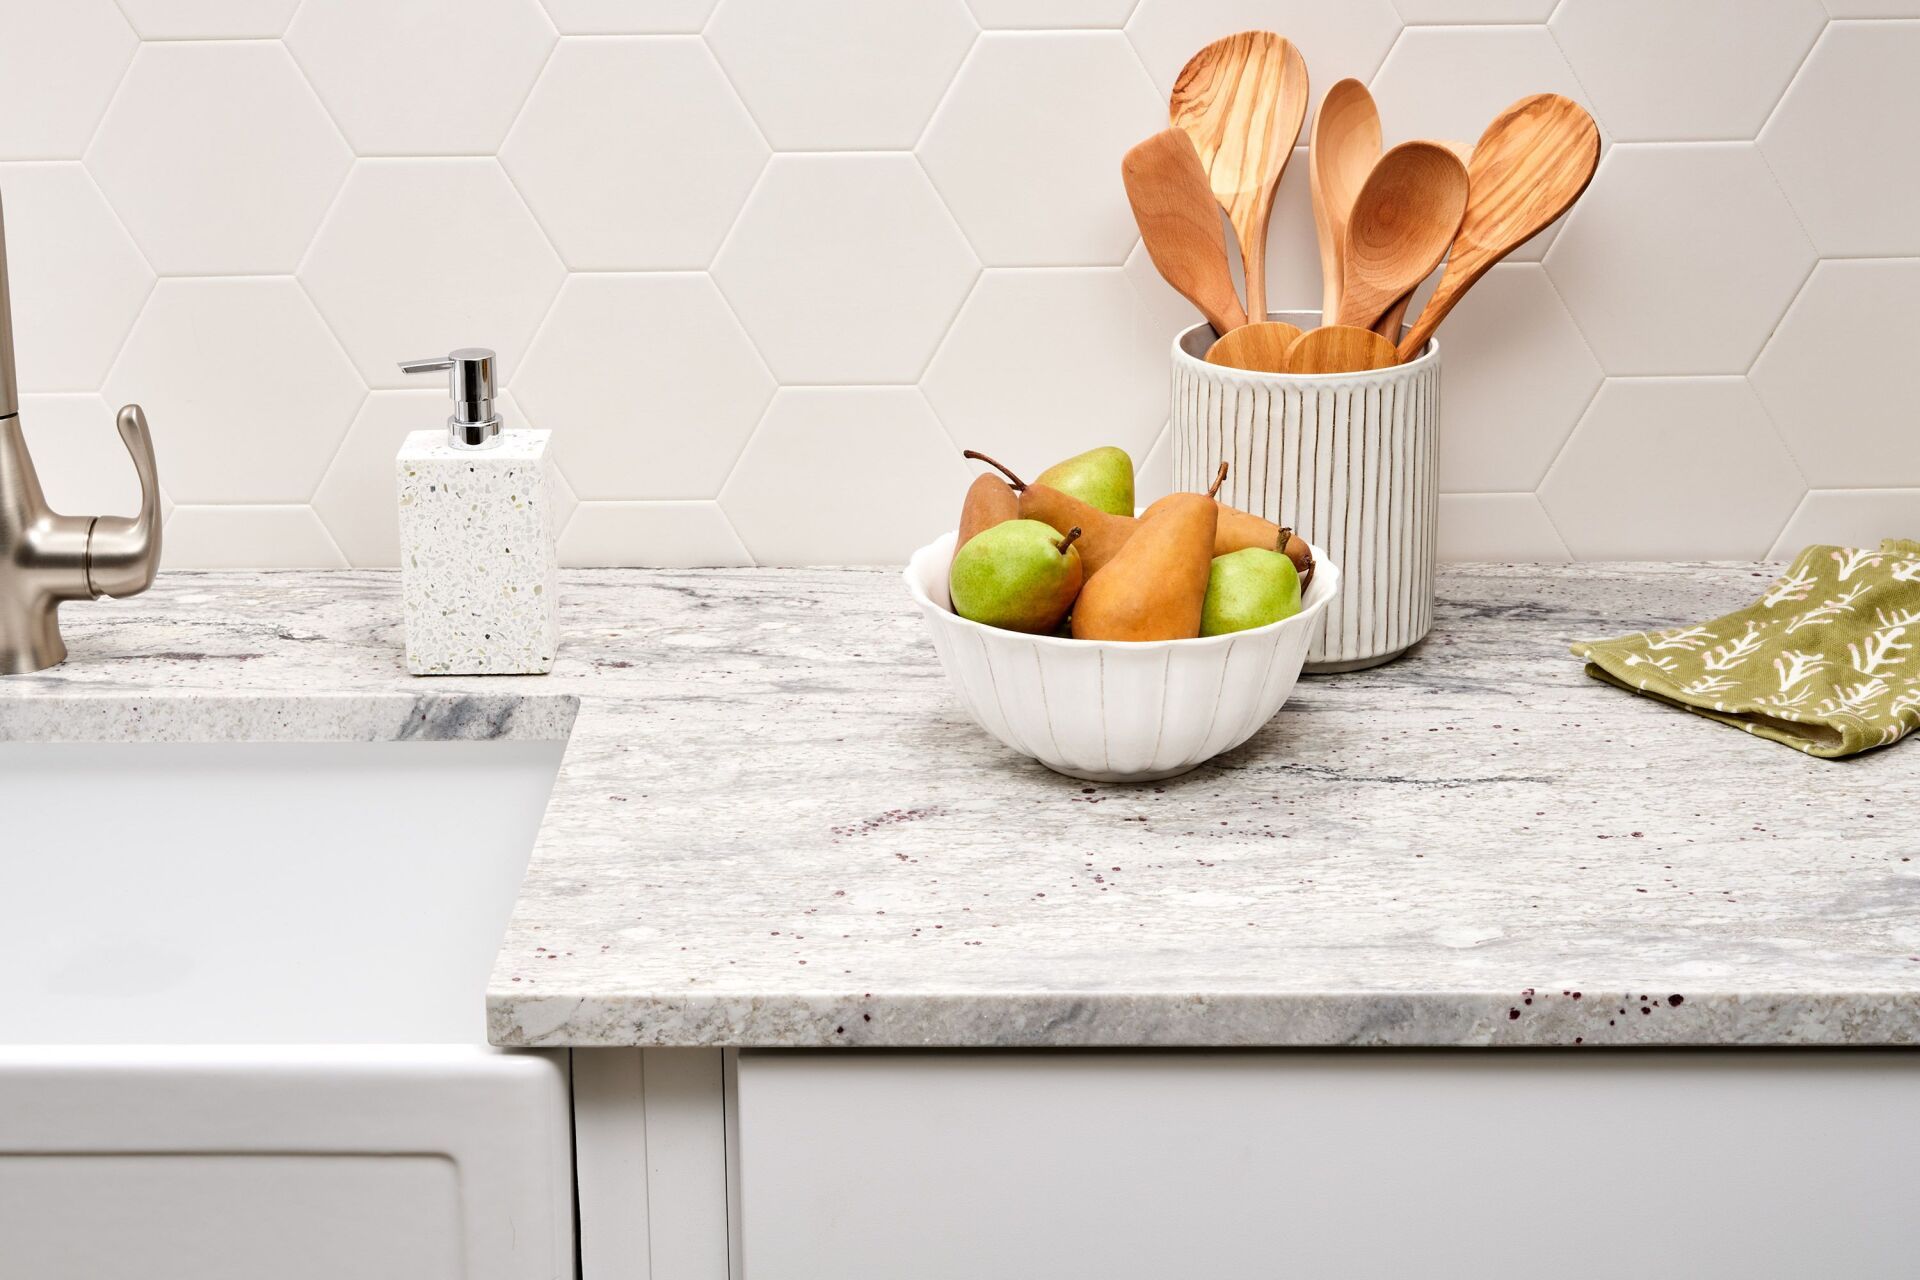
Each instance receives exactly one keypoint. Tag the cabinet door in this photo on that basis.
(1329, 1165)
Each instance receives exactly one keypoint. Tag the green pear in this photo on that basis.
(1019, 574)
(1100, 478)
(1249, 588)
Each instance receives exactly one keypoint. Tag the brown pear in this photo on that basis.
(990, 501)
(1155, 587)
(1101, 534)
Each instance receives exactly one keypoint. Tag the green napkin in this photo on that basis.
(1828, 661)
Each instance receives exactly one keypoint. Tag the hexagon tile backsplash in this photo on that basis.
(765, 266)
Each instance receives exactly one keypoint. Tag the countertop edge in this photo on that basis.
(1529, 1018)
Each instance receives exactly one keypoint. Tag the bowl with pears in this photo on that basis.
(1112, 643)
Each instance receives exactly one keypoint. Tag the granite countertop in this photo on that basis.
(775, 827)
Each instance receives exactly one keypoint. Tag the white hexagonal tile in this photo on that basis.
(1680, 258)
(1450, 82)
(1102, 379)
(1666, 468)
(1842, 140)
(246, 537)
(82, 465)
(882, 271)
(1337, 40)
(422, 77)
(660, 191)
(1026, 149)
(1051, 15)
(1153, 474)
(1457, 12)
(1849, 518)
(824, 75)
(627, 17)
(1164, 311)
(76, 278)
(209, 19)
(219, 157)
(1293, 247)
(801, 450)
(247, 392)
(356, 499)
(422, 256)
(648, 384)
(1502, 528)
(59, 63)
(662, 535)
(1515, 376)
(1834, 374)
(1695, 71)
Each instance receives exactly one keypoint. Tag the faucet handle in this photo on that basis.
(124, 554)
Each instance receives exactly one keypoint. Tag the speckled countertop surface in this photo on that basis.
(775, 827)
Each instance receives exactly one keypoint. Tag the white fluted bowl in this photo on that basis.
(1112, 711)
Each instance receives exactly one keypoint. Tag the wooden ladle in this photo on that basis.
(1180, 225)
(1388, 326)
(1529, 166)
(1403, 221)
(1344, 146)
(1242, 100)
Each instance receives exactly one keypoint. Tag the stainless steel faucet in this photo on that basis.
(47, 559)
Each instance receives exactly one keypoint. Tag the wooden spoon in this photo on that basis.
(1389, 326)
(1180, 225)
(1341, 153)
(1242, 100)
(1403, 221)
(1340, 348)
(1260, 347)
(1530, 165)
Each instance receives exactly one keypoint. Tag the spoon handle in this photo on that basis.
(1253, 260)
(1454, 283)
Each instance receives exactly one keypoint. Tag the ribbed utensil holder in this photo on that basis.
(1349, 461)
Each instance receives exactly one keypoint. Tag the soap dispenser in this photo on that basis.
(479, 568)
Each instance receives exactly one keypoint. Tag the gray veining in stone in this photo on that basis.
(775, 827)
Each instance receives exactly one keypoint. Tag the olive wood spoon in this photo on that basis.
(1390, 323)
(1341, 151)
(1528, 168)
(1340, 348)
(1242, 100)
(1403, 220)
(1180, 225)
(1261, 347)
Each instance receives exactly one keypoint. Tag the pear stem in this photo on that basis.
(1068, 541)
(1013, 481)
(1219, 478)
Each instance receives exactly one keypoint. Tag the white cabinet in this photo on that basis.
(1333, 1166)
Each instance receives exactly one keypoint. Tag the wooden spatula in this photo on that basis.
(1180, 224)
(1242, 100)
(1530, 165)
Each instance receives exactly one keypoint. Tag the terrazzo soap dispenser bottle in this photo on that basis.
(478, 564)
